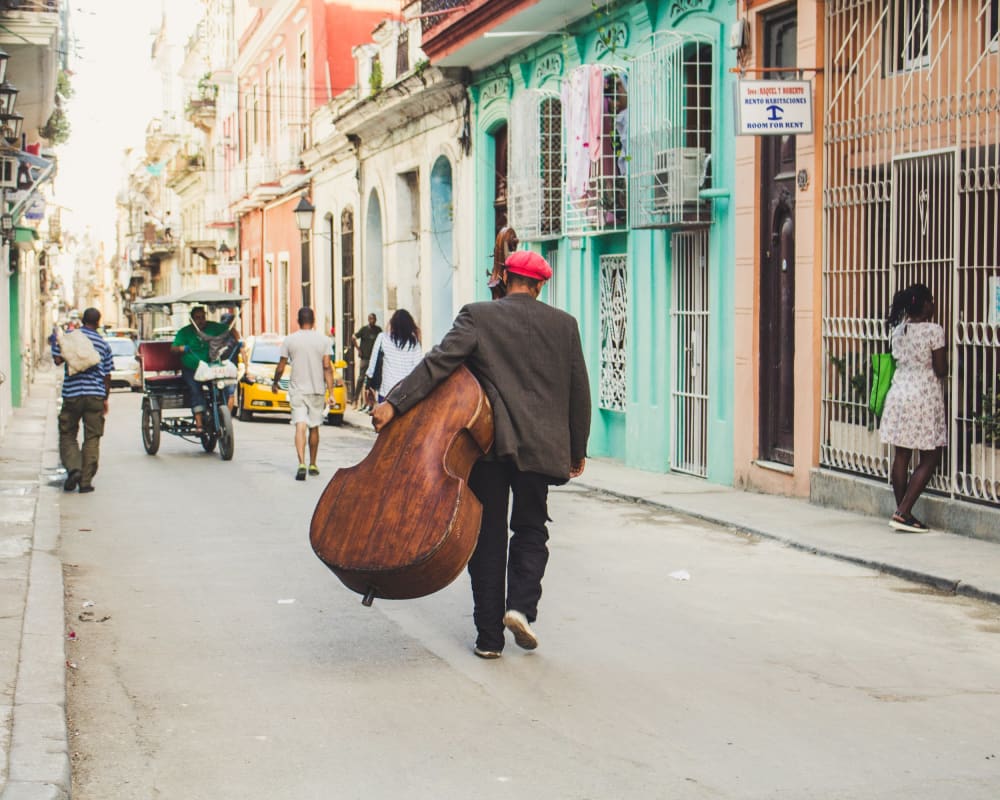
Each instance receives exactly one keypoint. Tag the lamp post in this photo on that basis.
(304, 213)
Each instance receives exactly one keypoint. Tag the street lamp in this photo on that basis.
(3, 65)
(304, 213)
(8, 95)
(10, 128)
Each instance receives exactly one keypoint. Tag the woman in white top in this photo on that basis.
(399, 349)
(914, 416)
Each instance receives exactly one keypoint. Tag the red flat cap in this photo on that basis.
(529, 264)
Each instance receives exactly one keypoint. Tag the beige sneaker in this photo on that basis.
(518, 625)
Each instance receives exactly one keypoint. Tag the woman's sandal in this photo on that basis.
(907, 524)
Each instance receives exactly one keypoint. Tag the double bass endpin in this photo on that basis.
(369, 597)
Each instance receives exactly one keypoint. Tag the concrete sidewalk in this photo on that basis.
(946, 561)
(34, 755)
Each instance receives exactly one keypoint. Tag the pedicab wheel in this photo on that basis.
(335, 419)
(226, 441)
(150, 428)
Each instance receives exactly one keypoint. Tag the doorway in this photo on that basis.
(347, 295)
(777, 264)
(689, 313)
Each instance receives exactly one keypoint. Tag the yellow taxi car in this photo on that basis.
(258, 360)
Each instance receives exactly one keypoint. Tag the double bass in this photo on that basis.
(403, 523)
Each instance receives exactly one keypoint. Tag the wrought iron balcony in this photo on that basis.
(30, 5)
(433, 12)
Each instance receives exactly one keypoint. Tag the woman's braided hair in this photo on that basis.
(908, 302)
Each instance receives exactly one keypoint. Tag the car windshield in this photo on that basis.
(121, 347)
(266, 352)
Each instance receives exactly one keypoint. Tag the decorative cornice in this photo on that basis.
(681, 8)
(549, 67)
(612, 38)
(497, 89)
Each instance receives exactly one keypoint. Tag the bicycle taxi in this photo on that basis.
(166, 402)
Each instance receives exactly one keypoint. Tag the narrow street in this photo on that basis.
(220, 659)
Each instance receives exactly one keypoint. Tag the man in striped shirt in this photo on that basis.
(84, 397)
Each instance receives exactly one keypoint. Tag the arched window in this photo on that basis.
(536, 166)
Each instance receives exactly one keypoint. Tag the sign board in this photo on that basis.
(773, 108)
(993, 299)
(228, 269)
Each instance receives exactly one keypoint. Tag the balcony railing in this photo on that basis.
(432, 12)
(30, 5)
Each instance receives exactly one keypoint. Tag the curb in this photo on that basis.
(942, 584)
(39, 762)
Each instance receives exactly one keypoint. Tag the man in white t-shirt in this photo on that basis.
(308, 351)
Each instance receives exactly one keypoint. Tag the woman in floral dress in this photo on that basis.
(913, 417)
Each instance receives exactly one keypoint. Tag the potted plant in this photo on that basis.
(983, 455)
(852, 426)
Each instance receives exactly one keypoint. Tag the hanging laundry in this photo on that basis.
(596, 101)
(575, 100)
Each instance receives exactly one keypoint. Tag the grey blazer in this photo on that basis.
(528, 358)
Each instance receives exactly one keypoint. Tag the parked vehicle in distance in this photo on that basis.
(115, 333)
(257, 363)
(127, 372)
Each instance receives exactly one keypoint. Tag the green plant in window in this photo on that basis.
(57, 128)
(63, 87)
(989, 418)
(375, 78)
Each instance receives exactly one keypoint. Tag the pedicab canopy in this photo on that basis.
(212, 300)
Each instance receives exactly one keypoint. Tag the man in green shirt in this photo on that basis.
(194, 349)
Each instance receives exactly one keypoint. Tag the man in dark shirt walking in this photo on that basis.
(84, 397)
(364, 340)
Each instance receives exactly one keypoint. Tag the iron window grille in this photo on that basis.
(912, 194)
(907, 35)
(671, 129)
(596, 189)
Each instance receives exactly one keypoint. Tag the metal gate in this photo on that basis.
(689, 314)
(912, 193)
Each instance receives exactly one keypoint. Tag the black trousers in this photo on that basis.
(359, 384)
(507, 576)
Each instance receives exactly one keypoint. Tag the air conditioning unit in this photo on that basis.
(676, 177)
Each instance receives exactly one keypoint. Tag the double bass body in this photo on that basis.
(403, 523)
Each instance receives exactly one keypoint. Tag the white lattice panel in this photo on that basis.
(614, 327)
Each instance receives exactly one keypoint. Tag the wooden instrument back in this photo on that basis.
(403, 523)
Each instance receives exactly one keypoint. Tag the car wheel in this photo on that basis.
(246, 415)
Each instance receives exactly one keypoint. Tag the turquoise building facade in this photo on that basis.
(641, 238)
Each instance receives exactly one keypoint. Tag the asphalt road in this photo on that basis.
(220, 659)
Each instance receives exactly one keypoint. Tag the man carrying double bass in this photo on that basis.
(528, 357)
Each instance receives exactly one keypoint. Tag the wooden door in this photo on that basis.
(777, 265)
